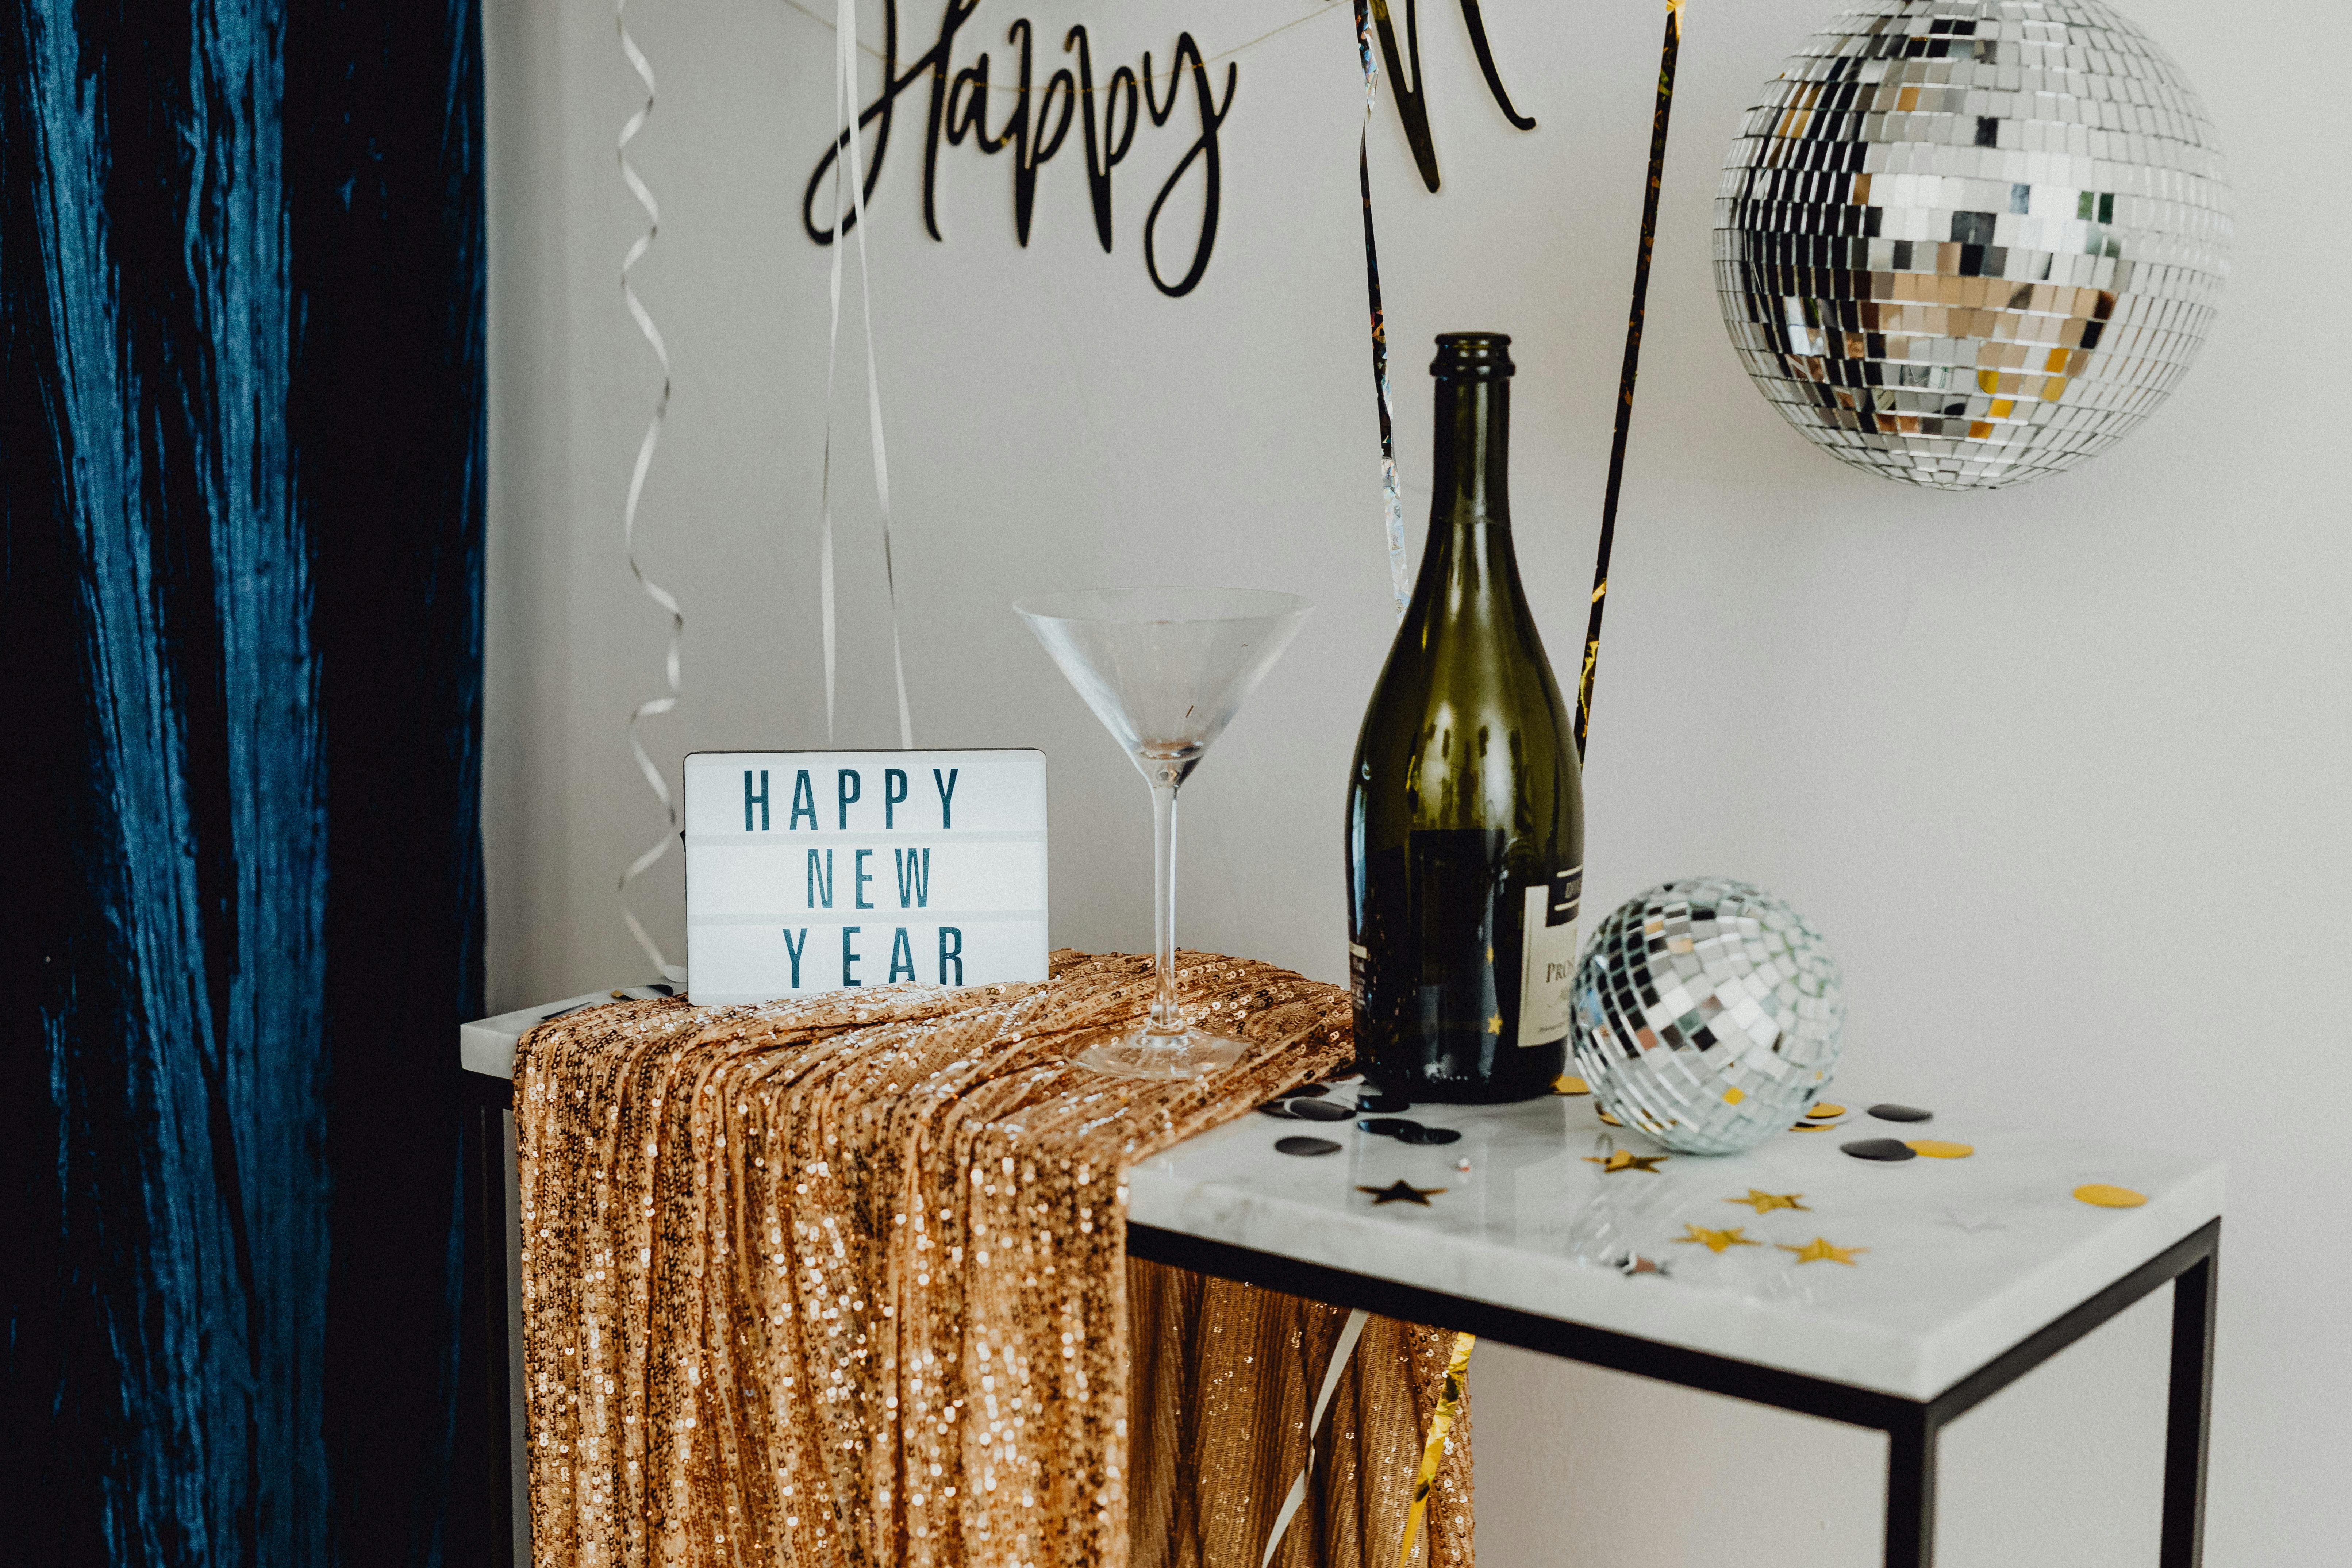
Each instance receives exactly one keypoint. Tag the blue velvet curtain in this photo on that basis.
(241, 498)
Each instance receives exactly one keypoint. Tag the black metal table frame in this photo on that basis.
(1911, 1426)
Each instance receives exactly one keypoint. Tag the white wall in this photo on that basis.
(2059, 770)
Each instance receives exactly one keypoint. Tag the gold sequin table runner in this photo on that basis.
(844, 1281)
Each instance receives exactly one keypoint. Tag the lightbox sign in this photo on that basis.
(809, 871)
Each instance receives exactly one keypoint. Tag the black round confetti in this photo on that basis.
(1879, 1149)
(1318, 1110)
(1388, 1126)
(1305, 1146)
(1381, 1101)
(1309, 1091)
(1901, 1113)
(1275, 1108)
(1420, 1134)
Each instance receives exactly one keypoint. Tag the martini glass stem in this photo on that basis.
(1167, 1018)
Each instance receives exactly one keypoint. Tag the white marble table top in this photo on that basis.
(487, 1046)
(1959, 1259)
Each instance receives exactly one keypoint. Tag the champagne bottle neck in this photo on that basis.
(1470, 484)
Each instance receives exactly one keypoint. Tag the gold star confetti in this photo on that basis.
(1807, 1126)
(1818, 1250)
(1569, 1083)
(1937, 1149)
(2101, 1195)
(1608, 1118)
(1626, 1160)
(1717, 1240)
(1401, 1193)
(1764, 1203)
(1495, 1025)
(1490, 952)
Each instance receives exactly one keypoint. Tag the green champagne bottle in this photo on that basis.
(1465, 811)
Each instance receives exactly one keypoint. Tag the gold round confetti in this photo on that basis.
(1608, 1118)
(1825, 1112)
(1937, 1149)
(1569, 1083)
(2099, 1194)
(1807, 1126)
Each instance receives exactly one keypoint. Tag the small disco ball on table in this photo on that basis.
(1707, 1014)
(1966, 243)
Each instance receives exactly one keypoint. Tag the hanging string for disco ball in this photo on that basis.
(1966, 243)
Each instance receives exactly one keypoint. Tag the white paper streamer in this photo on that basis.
(844, 117)
(660, 595)
(1346, 1347)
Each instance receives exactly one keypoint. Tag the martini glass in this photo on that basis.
(1165, 670)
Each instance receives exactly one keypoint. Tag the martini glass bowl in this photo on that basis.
(1165, 670)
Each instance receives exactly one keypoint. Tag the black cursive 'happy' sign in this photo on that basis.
(1037, 125)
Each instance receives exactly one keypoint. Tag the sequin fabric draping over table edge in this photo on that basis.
(843, 1281)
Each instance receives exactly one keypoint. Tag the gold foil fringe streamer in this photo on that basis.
(655, 779)
(1667, 55)
(1440, 1426)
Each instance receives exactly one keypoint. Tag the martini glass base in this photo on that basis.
(1142, 1054)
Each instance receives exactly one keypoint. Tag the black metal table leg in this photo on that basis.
(1911, 1489)
(2189, 1418)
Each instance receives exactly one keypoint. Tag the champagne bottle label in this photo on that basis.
(1548, 957)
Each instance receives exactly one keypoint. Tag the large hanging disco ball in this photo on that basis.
(1707, 1014)
(1966, 243)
